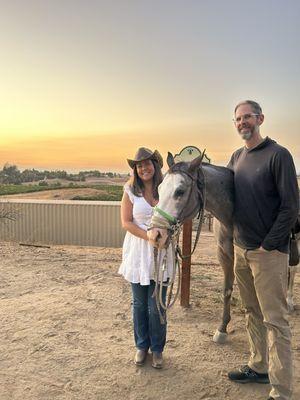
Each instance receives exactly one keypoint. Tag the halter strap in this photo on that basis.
(167, 216)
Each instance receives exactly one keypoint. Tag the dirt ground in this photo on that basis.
(66, 331)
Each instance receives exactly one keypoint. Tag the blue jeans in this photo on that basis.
(148, 330)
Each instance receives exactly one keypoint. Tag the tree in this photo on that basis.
(31, 175)
(10, 174)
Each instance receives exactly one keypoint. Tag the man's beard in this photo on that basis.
(247, 135)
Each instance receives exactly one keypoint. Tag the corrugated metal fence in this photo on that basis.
(82, 223)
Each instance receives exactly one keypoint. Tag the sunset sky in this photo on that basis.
(84, 83)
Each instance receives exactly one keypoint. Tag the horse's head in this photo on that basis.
(180, 198)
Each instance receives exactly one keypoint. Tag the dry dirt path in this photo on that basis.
(56, 194)
(66, 331)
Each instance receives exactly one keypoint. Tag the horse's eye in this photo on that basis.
(179, 192)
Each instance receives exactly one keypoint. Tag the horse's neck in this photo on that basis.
(219, 193)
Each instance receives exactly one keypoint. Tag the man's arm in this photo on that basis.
(286, 182)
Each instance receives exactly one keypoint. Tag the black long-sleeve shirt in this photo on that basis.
(266, 196)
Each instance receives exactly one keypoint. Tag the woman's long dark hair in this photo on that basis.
(137, 185)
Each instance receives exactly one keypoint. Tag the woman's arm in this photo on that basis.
(126, 218)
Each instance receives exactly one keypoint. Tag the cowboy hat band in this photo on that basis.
(145, 154)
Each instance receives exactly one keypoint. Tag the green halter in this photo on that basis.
(167, 216)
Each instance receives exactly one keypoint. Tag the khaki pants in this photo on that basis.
(262, 280)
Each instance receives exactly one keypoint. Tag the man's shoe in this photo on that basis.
(157, 360)
(140, 356)
(271, 398)
(246, 375)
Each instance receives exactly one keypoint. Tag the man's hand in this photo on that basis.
(262, 249)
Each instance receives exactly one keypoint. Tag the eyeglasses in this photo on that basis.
(245, 117)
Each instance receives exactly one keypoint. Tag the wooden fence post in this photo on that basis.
(186, 264)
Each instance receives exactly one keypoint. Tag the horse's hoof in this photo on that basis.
(220, 337)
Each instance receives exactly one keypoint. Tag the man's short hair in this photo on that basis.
(256, 108)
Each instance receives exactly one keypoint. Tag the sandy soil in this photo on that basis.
(66, 331)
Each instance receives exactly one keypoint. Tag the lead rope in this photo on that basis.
(200, 223)
(159, 283)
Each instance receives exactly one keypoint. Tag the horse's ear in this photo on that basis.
(170, 160)
(196, 162)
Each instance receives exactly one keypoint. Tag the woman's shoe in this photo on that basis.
(140, 356)
(157, 360)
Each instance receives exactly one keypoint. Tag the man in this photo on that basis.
(266, 208)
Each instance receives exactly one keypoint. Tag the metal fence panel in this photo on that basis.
(69, 222)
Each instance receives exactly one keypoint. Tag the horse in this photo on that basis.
(190, 187)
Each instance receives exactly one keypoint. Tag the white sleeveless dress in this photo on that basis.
(138, 260)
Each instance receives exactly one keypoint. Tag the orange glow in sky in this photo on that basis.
(83, 87)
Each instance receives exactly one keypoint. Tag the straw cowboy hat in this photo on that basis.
(145, 154)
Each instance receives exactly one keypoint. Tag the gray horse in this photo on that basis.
(186, 188)
(181, 194)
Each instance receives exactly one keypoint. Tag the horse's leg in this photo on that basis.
(225, 255)
(291, 279)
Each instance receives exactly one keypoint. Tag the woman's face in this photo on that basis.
(145, 170)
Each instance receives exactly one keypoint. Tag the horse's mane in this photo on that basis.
(178, 167)
(183, 166)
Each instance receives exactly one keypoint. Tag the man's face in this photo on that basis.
(247, 122)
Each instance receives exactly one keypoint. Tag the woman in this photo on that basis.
(139, 198)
